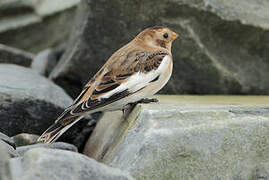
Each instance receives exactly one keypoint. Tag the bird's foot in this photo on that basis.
(129, 107)
(147, 100)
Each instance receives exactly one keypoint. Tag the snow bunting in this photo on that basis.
(134, 72)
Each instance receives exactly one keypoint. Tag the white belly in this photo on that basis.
(141, 80)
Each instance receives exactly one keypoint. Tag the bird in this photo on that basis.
(133, 73)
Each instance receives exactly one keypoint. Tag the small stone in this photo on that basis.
(24, 139)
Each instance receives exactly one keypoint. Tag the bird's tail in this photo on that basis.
(57, 129)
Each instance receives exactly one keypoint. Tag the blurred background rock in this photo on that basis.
(222, 47)
(34, 25)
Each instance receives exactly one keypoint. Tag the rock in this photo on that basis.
(44, 164)
(7, 140)
(222, 46)
(28, 102)
(81, 131)
(110, 120)
(15, 56)
(44, 62)
(34, 25)
(187, 137)
(5, 156)
(9, 149)
(24, 139)
(57, 145)
(14, 168)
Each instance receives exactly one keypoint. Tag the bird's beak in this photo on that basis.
(174, 36)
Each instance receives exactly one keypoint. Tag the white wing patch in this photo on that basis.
(140, 79)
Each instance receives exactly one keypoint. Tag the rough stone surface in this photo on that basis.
(262, 172)
(188, 137)
(48, 164)
(24, 139)
(34, 25)
(222, 46)
(15, 56)
(57, 145)
(28, 102)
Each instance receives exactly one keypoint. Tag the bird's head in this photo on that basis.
(158, 36)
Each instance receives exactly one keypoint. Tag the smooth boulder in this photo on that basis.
(28, 102)
(48, 164)
(187, 137)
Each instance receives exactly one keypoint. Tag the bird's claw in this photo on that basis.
(129, 107)
(147, 100)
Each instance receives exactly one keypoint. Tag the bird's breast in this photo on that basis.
(159, 77)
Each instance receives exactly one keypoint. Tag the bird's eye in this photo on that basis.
(165, 35)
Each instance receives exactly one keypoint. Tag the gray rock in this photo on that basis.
(24, 139)
(188, 137)
(15, 56)
(9, 149)
(14, 168)
(57, 145)
(222, 46)
(51, 164)
(80, 132)
(44, 62)
(5, 156)
(34, 25)
(7, 140)
(28, 102)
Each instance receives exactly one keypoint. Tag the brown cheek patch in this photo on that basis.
(161, 43)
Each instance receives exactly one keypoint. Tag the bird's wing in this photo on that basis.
(115, 81)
